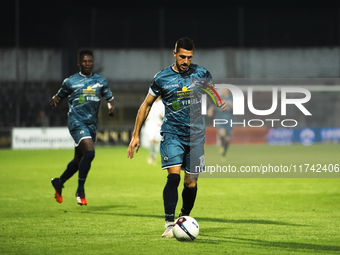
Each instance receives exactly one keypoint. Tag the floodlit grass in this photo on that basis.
(124, 214)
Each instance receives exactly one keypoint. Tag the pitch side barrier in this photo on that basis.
(59, 137)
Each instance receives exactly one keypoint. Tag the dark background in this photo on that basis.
(157, 24)
(71, 25)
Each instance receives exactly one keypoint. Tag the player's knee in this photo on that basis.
(88, 155)
(190, 182)
(191, 185)
(173, 180)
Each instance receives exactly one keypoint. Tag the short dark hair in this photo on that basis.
(84, 52)
(184, 43)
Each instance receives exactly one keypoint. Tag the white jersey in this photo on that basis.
(154, 121)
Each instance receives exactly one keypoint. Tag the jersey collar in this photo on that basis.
(177, 71)
(86, 76)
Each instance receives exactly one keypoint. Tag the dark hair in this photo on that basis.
(184, 43)
(84, 52)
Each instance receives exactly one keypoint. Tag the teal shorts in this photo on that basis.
(176, 153)
(80, 131)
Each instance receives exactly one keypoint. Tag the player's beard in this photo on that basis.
(179, 67)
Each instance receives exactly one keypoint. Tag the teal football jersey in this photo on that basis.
(181, 97)
(84, 94)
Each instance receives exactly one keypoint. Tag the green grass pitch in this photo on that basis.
(124, 214)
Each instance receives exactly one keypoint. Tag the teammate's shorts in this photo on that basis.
(226, 127)
(175, 153)
(80, 131)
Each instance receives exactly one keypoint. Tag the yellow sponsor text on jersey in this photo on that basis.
(89, 91)
(184, 93)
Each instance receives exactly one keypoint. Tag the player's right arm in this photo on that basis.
(142, 114)
(62, 93)
(55, 100)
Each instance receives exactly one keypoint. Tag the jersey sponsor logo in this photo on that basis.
(184, 93)
(77, 85)
(90, 94)
(81, 99)
(175, 105)
(89, 91)
(171, 86)
(185, 97)
(92, 98)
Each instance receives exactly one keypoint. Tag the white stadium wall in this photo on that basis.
(33, 65)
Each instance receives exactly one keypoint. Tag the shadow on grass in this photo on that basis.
(106, 209)
(125, 214)
(216, 239)
(284, 245)
(250, 221)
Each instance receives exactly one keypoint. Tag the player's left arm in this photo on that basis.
(224, 105)
(111, 107)
(220, 103)
(107, 94)
(55, 100)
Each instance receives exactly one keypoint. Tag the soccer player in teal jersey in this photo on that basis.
(84, 90)
(182, 122)
(224, 130)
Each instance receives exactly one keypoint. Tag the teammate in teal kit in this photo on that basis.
(183, 128)
(224, 130)
(84, 90)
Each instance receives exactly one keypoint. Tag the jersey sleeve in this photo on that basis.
(65, 89)
(106, 92)
(154, 89)
(206, 74)
(203, 75)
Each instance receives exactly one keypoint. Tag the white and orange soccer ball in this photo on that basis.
(185, 229)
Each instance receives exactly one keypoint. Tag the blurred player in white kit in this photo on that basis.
(152, 127)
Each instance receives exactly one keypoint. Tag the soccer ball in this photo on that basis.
(185, 229)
